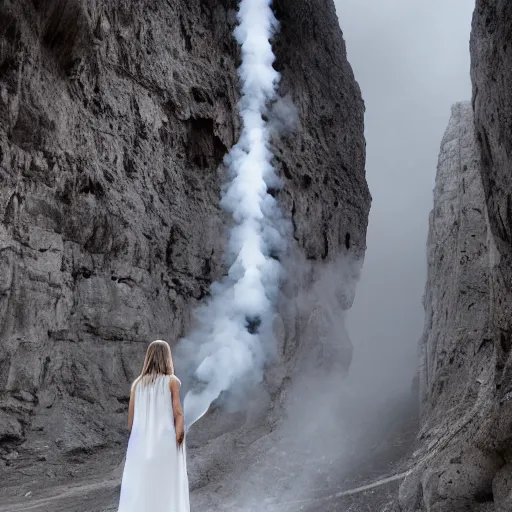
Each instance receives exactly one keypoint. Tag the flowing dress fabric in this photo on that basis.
(155, 471)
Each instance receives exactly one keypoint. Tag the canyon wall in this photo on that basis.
(464, 462)
(455, 465)
(114, 121)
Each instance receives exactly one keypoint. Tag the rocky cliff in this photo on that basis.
(114, 121)
(455, 467)
(465, 461)
(491, 54)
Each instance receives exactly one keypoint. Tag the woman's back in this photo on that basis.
(155, 474)
(153, 421)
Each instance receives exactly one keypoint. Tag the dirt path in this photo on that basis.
(63, 497)
(349, 492)
(372, 482)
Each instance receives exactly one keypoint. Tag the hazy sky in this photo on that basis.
(411, 59)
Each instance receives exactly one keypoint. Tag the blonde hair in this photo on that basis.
(158, 361)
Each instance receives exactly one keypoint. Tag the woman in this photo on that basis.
(155, 472)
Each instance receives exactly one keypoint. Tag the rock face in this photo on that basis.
(114, 121)
(465, 462)
(491, 54)
(455, 470)
(458, 265)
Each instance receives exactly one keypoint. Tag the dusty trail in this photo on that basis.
(61, 497)
(371, 482)
(349, 492)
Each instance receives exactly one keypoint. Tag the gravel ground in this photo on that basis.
(360, 484)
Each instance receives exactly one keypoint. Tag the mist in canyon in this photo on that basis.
(411, 60)
(412, 63)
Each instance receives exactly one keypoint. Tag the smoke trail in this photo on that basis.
(234, 323)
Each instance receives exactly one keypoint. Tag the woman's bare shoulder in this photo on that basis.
(174, 382)
(134, 383)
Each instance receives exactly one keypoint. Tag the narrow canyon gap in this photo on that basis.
(463, 461)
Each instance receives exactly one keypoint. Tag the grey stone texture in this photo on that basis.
(456, 465)
(115, 117)
(491, 72)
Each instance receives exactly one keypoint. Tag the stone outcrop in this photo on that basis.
(456, 467)
(114, 121)
(465, 458)
(491, 72)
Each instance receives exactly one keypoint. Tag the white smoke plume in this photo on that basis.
(228, 341)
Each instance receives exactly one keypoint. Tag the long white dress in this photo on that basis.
(155, 471)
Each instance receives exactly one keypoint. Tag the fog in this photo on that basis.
(411, 59)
